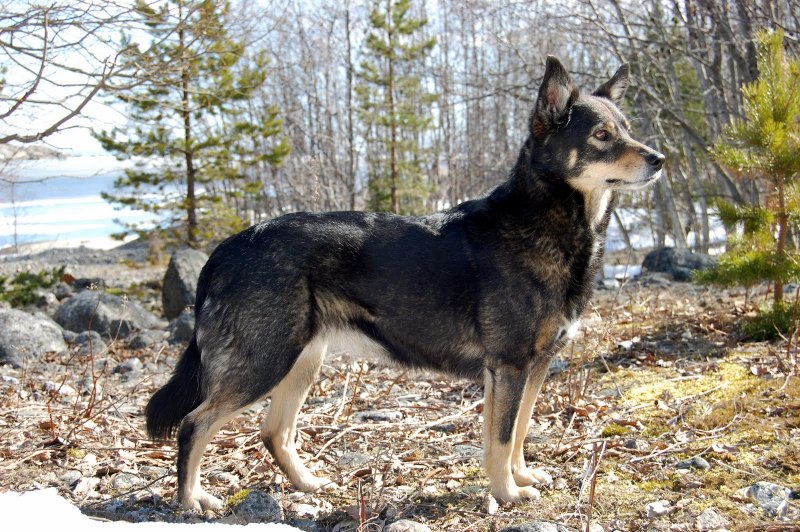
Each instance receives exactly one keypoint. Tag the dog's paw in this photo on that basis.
(327, 484)
(201, 501)
(510, 494)
(542, 476)
(310, 483)
(528, 477)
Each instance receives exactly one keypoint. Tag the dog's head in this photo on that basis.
(585, 139)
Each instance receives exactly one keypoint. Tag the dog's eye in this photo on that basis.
(602, 135)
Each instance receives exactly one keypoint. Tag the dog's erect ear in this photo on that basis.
(614, 89)
(554, 103)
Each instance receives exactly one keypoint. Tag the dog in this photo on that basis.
(490, 289)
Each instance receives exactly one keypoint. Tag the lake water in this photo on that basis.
(59, 201)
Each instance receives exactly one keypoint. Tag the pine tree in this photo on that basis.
(188, 128)
(395, 108)
(764, 146)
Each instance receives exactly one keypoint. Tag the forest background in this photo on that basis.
(404, 106)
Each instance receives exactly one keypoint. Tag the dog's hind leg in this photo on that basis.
(503, 393)
(196, 430)
(278, 431)
(523, 475)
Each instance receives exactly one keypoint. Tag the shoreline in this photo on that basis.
(32, 248)
(117, 263)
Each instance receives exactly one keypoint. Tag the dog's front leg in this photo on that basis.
(503, 392)
(523, 475)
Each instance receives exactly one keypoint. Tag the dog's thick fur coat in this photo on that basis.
(486, 290)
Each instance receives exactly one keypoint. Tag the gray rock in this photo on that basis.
(62, 290)
(258, 507)
(536, 526)
(84, 486)
(679, 263)
(153, 472)
(348, 525)
(132, 365)
(89, 342)
(772, 498)
(377, 415)
(711, 520)
(8, 379)
(611, 392)
(60, 388)
(26, 336)
(306, 525)
(607, 284)
(105, 313)
(48, 299)
(146, 339)
(308, 510)
(696, 462)
(88, 283)
(71, 477)
(125, 481)
(223, 478)
(637, 445)
(654, 279)
(557, 365)
(354, 460)
(658, 509)
(182, 329)
(89, 385)
(406, 525)
(180, 281)
(466, 450)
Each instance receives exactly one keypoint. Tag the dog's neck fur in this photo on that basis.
(543, 191)
(564, 229)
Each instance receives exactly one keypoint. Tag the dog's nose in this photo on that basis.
(656, 160)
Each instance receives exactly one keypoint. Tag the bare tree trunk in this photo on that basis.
(394, 170)
(665, 185)
(191, 212)
(351, 149)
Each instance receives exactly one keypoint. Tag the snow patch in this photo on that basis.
(47, 510)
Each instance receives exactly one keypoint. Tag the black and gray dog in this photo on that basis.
(489, 289)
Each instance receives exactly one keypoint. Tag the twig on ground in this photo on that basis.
(343, 400)
(597, 457)
(444, 419)
(355, 390)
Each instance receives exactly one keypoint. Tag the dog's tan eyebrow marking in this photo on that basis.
(606, 109)
(613, 114)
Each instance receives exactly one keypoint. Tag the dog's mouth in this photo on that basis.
(622, 183)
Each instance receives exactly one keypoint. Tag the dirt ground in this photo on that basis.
(658, 375)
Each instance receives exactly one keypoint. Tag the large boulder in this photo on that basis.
(678, 263)
(105, 313)
(27, 336)
(180, 281)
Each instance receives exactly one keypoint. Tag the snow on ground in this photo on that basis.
(46, 510)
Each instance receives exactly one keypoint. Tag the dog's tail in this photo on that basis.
(179, 396)
(184, 391)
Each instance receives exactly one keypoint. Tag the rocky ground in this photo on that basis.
(659, 416)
